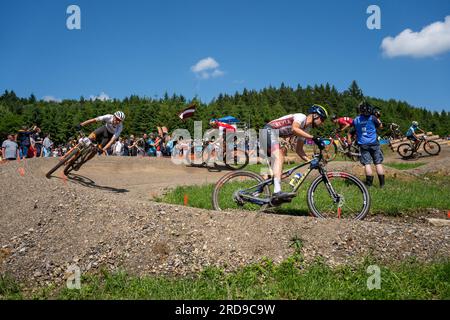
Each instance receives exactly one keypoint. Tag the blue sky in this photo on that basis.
(149, 47)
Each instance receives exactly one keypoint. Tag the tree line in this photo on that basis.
(256, 108)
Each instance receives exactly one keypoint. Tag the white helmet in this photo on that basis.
(120, 115)
(415, 123)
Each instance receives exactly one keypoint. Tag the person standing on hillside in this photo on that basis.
(10, 149)
(366, 125)
(24, 141)
(37, 137)
(47, 146)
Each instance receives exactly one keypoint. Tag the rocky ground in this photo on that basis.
(104, 218)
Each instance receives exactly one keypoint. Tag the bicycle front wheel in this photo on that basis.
(338, 195)
(228, 190)
(432, 148)
(62, 161)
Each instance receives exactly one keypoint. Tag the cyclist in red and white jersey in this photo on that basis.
(345, 123)
(297, 124)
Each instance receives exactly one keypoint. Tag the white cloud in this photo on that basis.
(217, 73)
(207, 68)
(102, 97)
(50, 99)
(432, 40)
(205, 64)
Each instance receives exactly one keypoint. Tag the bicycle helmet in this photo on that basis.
(377, 112)
(415, 123)
(334, 117)
(319, 110)
(365, 108)
(119, 115)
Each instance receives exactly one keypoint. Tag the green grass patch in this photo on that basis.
(398, 197)
(265, 280)
(9, 288)
(403, 165)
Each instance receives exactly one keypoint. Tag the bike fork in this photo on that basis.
(331, 191)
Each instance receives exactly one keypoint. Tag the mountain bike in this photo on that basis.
(76, 156)
(409, 149)
(331, 194)
(337, 144)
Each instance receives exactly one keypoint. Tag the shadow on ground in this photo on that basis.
(87, 182)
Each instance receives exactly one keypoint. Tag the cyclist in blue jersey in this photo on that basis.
(411, 133)
(366, 125)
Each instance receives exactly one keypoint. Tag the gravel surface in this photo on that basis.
(48, 225)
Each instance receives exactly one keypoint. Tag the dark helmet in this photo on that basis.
(365, 108)
(319, 110)
(334, 117)
(377, 112)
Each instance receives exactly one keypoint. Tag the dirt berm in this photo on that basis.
(104, 218)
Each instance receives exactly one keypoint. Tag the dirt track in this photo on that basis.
(103, 217)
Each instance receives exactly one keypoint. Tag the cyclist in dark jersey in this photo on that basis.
(297, 124)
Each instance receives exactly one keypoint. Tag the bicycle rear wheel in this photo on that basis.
(432, 148)
(355, 153)
(61, 162)
(352, 202)
(226, 195)
(238, 161)
(405, 150)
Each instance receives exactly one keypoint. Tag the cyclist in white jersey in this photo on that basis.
(294, 124)
(110, 132)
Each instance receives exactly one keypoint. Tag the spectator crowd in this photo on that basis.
(30, 143)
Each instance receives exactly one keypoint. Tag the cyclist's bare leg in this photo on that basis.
(93, 138)
(277, 159)
(349, 139)
(417, 142)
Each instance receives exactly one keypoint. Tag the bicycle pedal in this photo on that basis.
(280, 200)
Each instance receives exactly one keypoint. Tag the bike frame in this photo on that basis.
(417, 146)
(244, 195)
(341, 140)
(78, 146)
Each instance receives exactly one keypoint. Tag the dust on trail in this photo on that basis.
(103, 217)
